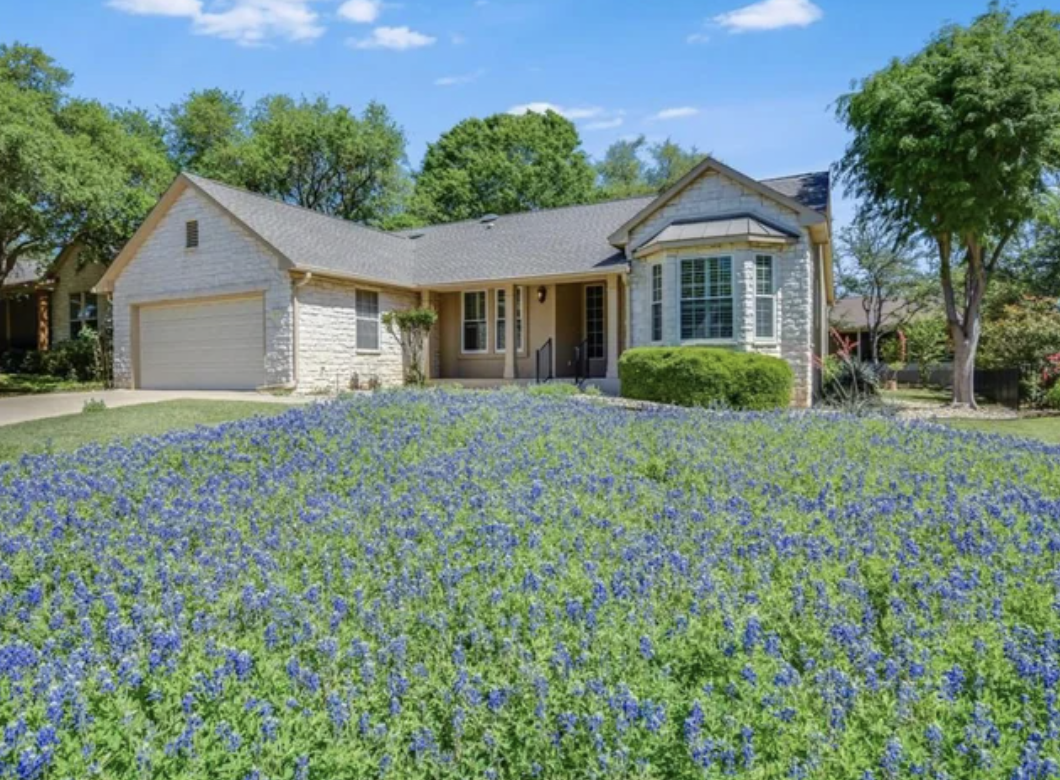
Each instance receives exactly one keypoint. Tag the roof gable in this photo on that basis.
(807, 215)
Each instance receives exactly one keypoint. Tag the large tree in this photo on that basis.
(315, 155)
(202, 128)
(956, 143)
(71, 171)
(630, 167)
(881, 264)
(501, 165)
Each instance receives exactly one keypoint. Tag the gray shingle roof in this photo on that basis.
(313, 240)
(812, 190)
(26, 270)
(550, 242)
(567, 240)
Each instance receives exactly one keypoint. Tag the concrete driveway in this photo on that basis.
(21, 408)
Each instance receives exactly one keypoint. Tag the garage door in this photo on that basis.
(216, 345)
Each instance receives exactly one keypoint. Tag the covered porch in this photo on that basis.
(25, 317)
(561, 329)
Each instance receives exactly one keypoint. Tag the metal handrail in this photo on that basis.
(581, 362)
(548, 370)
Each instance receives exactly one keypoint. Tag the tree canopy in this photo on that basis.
(501, 165)
(956, 143)
(630, 167)
(71, 171)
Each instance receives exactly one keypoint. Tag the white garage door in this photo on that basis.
(216, 345)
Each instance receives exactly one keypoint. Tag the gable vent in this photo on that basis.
(191, 234)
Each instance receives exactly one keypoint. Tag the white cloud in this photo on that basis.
(452, 81)
(188, 8)
(696, 38)
(569, 113)
(682, 112)
(247, 22)
(361, 11)
(393, 38)
(605, 124)
(771, 15)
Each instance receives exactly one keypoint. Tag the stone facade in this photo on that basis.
(328, 358)
(228, 261)
(714, 195)
(73, 280)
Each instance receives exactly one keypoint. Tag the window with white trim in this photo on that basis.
(84, 313)
(765, 298)
(706, 299)
(367, 320)
(501, 317)
(475, 336)
(657, 302)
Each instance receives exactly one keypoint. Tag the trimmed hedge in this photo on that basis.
(703, 376)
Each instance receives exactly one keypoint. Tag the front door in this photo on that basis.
(596, 329)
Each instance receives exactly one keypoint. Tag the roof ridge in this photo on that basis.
(533, 211)
(297, 207)
(827, 172)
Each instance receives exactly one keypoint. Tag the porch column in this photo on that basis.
(428, 343)
(510, 346)
(43, 328)
(612, 327)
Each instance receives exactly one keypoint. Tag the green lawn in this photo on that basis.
(76, 430)
(34, 384)
(1045, 429)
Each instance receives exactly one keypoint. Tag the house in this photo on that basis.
(43, 304)
(850, 319)
(221, 288)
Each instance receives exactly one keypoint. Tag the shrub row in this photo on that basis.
(700, 376)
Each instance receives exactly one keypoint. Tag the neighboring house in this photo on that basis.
(850, 321)
(43, 304)
(221, 288)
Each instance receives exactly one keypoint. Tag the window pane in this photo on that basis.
(475, 330)
(474, 337)
(693, 320)
(764, 275)
(719, 319)
(501, 324)
(765, 317)
(720, 277)
(367, 320)
(693, 279)
(594, 321)
(519, 318)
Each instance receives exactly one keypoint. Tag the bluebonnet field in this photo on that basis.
(462, 585)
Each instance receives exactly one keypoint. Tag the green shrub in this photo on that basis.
(73, 359)
(700, 376)
(1051, 400)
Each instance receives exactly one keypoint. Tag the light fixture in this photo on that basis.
(542, 294)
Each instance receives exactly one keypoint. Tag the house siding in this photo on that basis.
(70, 279)
(713, 195)
(328, 359)
(228, 261)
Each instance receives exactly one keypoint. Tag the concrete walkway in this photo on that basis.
(22, 408)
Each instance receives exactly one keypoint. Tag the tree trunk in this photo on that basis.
(965, 347)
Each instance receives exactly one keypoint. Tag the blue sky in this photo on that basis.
(753, 84)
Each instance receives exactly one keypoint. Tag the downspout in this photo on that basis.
(298, 285)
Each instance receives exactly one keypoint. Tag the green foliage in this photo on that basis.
(624, 172)
(1051, 399)
(411, 327)
(697, 376)
(554, 390)
(501, 165)
(926, 344)
(957, 142)
(1023, 334)
(849, 382)
(94, 406)
(202, 129)
(73, 359)
(71, 171)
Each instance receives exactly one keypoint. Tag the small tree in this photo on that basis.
(926, 344)
(957, 143)
(881, 264)
(411, 327)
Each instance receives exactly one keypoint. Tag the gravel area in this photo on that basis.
(911, 410)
